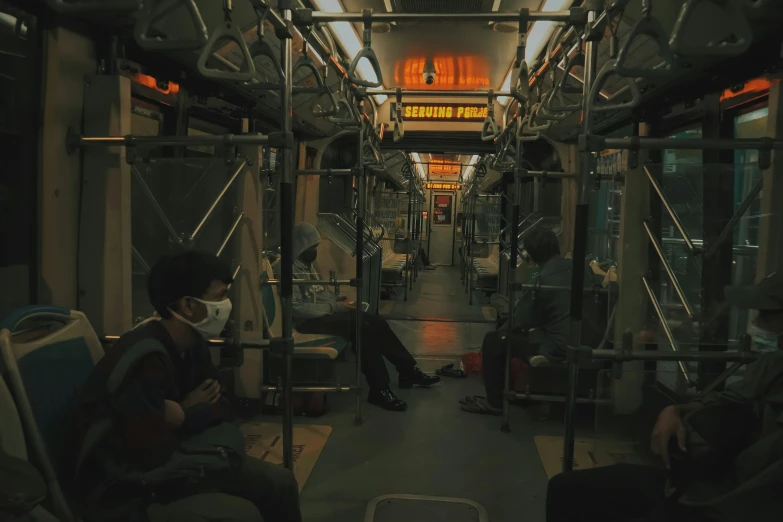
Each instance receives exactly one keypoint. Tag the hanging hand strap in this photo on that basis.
(228, 30)
(399, 126)
(729, 14)
(490, 130)
(367, 53)
(155, 10)
(610, 68)
(650, 27)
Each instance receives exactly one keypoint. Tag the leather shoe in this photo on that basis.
(386, 399)
(416, 377)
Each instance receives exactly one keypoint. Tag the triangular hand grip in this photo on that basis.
(368, 53)
(610, 68)
(344, 115)
(520, 86)
(490, 130)
(547, 114)
(227, 30)
(526, 136)
(577, 60)
(531, 124)
(305, 62)
(652, 28)
(736, 42)
(262, 48)
(155, 10)
(331, 108)
(554, 108)
(87, 6)
(399, 131)
(370, 156)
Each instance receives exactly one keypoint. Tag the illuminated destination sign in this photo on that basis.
(443, 186)
(443, 112)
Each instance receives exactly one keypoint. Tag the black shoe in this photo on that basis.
(386, 400)
(416, 377)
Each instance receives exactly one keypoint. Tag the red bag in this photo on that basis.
(471, 363)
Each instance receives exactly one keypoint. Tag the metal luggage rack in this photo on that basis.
(342, 230)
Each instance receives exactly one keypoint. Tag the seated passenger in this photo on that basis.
(546, 311)
(165, 400)
(742, 484)
(316, 310)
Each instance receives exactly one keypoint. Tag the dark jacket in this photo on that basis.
(548, 310)
(140, 438)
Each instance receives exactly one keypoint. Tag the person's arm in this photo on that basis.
(306, 309)
(524, 312)
(758, 377)
(221, 410)
(141, 411)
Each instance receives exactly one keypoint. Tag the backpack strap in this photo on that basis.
(101, 427)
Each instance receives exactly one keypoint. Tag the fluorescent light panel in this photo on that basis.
(419, 166)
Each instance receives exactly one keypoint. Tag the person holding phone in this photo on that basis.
(318, 310)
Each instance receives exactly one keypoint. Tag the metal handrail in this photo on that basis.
(666, 329)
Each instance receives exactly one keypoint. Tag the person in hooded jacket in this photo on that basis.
(540, 326)
(317, 310)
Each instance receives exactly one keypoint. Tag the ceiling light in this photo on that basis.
(468, 171)
(417, 161)
(349, 40)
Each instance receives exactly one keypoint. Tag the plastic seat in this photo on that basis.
(310, 346)
(47, 367)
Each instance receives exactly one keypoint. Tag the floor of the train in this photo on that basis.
(433, 448)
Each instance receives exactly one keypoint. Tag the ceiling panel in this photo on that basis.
(465, 56)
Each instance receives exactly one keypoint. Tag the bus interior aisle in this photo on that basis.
(391, 260)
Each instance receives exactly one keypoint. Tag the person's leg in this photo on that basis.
(619, 493)
(206, 507)
(493, 363)
(272, 488)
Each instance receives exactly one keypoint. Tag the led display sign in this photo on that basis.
(443, 186)
(443, 112)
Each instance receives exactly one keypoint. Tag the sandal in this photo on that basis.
(482, 407)
(449, 371)
(470, 400)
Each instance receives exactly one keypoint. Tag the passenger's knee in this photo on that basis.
(559, 486)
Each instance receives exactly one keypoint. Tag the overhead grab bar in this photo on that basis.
(155, 10)
(610, 68)
(651, 27)
(490, 130)
(735, 43)
(399, 126)
(520, 84)
(87, 6)
(228, 30)
(367, 53)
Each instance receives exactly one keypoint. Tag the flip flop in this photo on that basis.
(449, 371)
(469, 400)
(481, 407)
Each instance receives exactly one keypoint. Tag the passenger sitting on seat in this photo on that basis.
(317, 310)
(545, 310)
(730, 481)
(164, 400)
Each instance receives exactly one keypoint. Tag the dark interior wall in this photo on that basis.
(335, 193)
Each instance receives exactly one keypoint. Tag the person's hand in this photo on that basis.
(208, 391)
(173, 414)
(668, 425)
(349, 305)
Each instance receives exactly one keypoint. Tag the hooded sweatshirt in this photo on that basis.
(314, 301)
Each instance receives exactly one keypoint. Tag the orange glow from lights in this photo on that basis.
(760, 85)
(443, 167)
(457, 73)
(152, 83)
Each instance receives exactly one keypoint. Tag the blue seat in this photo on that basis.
(48, 352)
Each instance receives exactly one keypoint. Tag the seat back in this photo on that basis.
(48, 352)
(270, 300)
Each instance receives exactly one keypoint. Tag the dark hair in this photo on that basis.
(187, 274)
(541, 244)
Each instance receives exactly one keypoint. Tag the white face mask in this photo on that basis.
(217, 317)
(764, 340)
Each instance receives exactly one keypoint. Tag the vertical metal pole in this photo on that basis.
(360, 204)
(286, 247)
(536, 193)
(474, 206)
(408, 239)
(580, 244)
(510, 291)
(410, 236)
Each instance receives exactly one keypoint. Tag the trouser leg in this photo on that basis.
(206, 507)
(378, 332)
(373, 366)
(272, 488)
(493, 361)
(619, 493)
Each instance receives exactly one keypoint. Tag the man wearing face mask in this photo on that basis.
(724, 481)
(316, 310)
(165, 399)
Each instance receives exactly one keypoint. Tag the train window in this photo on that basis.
(750, 124)
(146, 119)
(197, 127)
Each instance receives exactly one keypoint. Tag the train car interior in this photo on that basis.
(481, 258)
